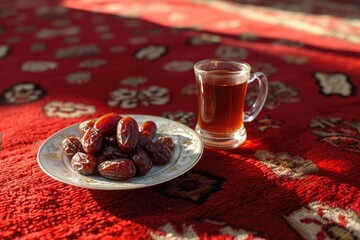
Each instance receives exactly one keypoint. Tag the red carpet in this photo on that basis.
(297, 175)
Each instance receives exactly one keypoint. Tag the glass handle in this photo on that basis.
(260, 99)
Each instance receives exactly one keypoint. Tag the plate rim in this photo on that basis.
(41, 149)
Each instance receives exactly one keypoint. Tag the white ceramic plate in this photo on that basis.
(186, 153)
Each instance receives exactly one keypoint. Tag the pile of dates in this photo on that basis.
(117, 147)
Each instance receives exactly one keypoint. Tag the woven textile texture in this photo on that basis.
(296, 176)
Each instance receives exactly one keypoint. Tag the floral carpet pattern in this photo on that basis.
(296, 176)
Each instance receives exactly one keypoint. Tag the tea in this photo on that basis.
(221, 99)
(222, 86)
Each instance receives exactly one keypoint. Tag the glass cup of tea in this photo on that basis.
(221, 86)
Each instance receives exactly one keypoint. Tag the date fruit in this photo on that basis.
(84, 163)
(85, 125)
(118, 169)
(107, 124)
(117, 147)
(150, 127)
(127, 134)
(71, 146)
(111, 140)
(92, 141)
(111, 152)
(167, 141)
(142, 161)
(144, 139)
(159, 153)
